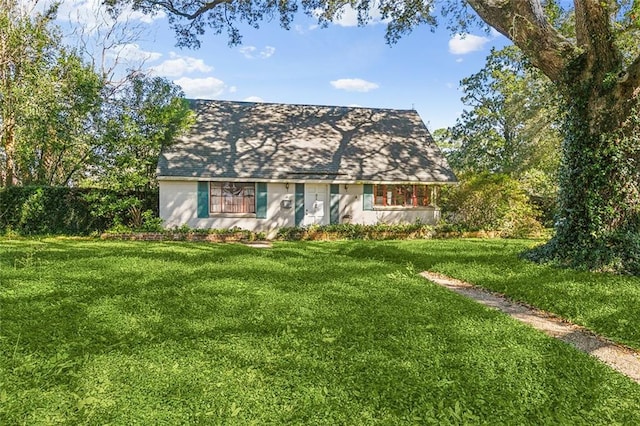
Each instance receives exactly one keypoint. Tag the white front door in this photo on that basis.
(316, 206)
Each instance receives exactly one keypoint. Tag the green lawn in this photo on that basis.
(95, 332)
(605, 303)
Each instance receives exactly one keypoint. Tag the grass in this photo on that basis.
(605, 303)
(95, 332)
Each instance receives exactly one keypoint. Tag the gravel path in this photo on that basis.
(622, 359)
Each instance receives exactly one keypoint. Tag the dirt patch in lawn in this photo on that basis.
(621, 358)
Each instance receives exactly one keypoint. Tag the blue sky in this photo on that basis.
(339, 65)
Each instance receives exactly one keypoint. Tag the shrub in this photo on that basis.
(542, 190)
(354, 231)
(37, 210)
(490, 202)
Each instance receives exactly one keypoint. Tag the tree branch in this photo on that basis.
(594, 35)
(207, 6)
(524, 22)
(628, 87)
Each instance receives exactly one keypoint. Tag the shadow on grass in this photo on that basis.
(605, 303)
(303, 333)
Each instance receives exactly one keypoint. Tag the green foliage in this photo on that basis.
(490, 202)
(41, 210)
(62, 124)
(513, 123)
(56, 141)
(542, 190)
(354, 231)
(48, 101)
(598, 224)
(33, 214)
(512, 127)
(136, 221)
(142, 120)
(97, 332)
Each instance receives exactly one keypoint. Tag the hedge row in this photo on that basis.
(37, 210)
(313, 233)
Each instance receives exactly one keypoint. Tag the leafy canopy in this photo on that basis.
(512, 123)
(192, 18)
(64, 122)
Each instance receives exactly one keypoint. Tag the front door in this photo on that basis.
(316, 207)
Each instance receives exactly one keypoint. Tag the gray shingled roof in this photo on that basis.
(260, 141)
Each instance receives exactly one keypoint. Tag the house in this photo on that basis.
(261, 166)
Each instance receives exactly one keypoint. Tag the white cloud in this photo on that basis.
(461, 44)
(132, 52)
(347, 16)
(459, 60)
(251, 52)
(253, 99)
(267, 52)
(201, 88)
(178, 65)
(304, 30)
(233, 89)
(354, 85)
(247, 51)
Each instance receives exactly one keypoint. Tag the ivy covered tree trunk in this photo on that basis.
(598, 224)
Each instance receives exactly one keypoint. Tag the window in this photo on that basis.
(232, 197)
(402, 195)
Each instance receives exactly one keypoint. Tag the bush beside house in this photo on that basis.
(493, 202)
(38, 210)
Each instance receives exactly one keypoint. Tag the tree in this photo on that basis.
(47, 95)
(139, 114)
(137, 124)
(105, 39)
(66, 122)
(512, 126)
(57, 132)
(599, 216)
(600, 178)
(24, 51)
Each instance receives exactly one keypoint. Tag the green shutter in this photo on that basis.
(367, 197)
(299, 204)
(203, 199)
(261, 200)
(334, 209)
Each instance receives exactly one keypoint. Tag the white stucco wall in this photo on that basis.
(178, 206)
(178, 203)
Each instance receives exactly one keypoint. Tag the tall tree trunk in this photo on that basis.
(599, 202)
(598, 223)
(8, 138)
